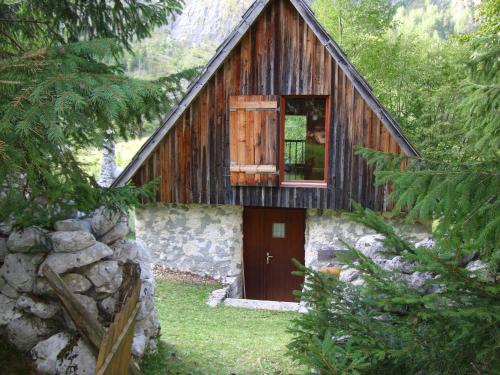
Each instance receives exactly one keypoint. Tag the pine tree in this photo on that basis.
(61, 88)
(452, 326)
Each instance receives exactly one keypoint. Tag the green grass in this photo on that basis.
(198, 339)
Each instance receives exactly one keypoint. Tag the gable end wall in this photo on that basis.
(279, 55)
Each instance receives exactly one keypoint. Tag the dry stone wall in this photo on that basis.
(89, 255)
(201, 239)
(326, 230)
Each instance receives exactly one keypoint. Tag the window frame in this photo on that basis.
(303, 183)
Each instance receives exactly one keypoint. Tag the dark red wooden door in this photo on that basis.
(271, 238)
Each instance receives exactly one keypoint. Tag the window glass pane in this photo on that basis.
(305, 139)
(278, 230)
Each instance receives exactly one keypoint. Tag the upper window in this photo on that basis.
(303, 141)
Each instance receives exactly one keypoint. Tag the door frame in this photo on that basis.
(245, 243)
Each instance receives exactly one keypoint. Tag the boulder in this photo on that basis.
(106, 276)
(372, 247)
(73, 225)
(8, 310)
(46, 353)
(3, 249)
(19, 270)
(118, 232)
(39, 308)
(70, 242)
(63, 262)
(30, 240)
(78, 360)
(2, 283)
(103, 221)
(25, 332)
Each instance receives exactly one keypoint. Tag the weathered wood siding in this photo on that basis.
(279, 55)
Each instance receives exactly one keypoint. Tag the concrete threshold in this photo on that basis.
(262, 305)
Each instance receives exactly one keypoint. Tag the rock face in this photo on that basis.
(31, 316)
(70, 242)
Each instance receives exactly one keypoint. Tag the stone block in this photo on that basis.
(25, 332)
(70, 242)
(73, 225)
(106, 276)
(64, 262)
(30, 240)
(45, 354)
(19, 270)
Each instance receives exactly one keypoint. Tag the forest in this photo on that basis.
(77, 74)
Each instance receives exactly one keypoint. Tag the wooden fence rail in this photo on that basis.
(116, 347)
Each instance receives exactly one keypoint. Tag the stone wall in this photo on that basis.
(326, 229)
(89, 256)
(201, 239)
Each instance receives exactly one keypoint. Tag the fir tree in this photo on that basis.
(385, 326)
(61, 89)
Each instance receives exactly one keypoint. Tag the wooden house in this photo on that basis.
(258, 158)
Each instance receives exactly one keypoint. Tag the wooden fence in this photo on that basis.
(88, 325)
(116, 347)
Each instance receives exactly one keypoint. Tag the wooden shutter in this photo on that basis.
(253, 128)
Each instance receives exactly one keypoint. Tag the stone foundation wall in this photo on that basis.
(201, 239)
(325, 229)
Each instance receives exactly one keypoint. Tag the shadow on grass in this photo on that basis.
(166, 362)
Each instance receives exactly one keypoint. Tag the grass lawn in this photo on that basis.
(198, 339)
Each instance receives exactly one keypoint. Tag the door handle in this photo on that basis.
(268, 257)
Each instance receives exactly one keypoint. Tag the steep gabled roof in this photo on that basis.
(223, 52)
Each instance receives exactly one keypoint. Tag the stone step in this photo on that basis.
(262, 305)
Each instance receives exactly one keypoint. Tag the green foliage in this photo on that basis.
(451, 325)
(61, 90)
(413, 71)
(387, 327)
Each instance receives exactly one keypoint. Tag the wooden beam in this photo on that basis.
(85, 323)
